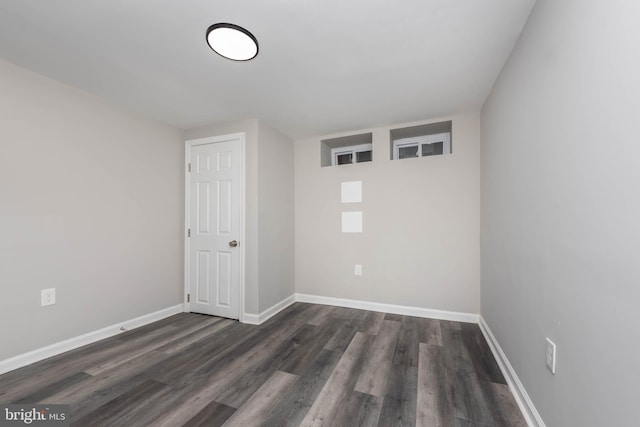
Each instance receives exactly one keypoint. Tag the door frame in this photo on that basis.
(241, 137)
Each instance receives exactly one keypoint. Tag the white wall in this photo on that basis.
(420, 243)
(561, 210)
(91, 204)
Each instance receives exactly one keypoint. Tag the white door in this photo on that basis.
(214, 225)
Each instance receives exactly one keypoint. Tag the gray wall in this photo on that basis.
(269, 211)
(90, 204)
(420, 244)
(275, 216)
(561, 210)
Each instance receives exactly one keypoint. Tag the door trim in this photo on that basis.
(241, 136)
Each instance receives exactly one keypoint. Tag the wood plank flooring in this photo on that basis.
(311, 365)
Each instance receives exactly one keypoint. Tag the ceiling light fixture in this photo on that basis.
(232, 42)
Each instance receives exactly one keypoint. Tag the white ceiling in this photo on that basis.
(324, 66)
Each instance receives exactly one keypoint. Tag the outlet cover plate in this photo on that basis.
(47, 297)
(550, 356)
(358, 270)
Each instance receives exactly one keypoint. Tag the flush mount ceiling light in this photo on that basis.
(232, 42)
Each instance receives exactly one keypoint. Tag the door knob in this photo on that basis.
(233, 243)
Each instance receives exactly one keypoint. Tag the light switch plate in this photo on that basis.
(47, 297)
(550, 356)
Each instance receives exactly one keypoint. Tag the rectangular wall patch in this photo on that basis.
(352, 222)
(351, 192)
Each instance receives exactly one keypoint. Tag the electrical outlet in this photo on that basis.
(47, 297)
(550, 355)
(358, 270)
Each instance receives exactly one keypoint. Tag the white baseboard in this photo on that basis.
(257, 319)
(88, 338)
(523, 400)
(390, 308)
(250, 319)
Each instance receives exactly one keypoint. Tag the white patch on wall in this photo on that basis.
(352, 222)
(352, 192)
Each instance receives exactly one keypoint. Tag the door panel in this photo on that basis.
(203, 209)
(224, 207)
(215, 203)
(224, 279)
(203, 267)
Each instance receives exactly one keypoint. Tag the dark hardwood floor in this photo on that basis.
(311, 365)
